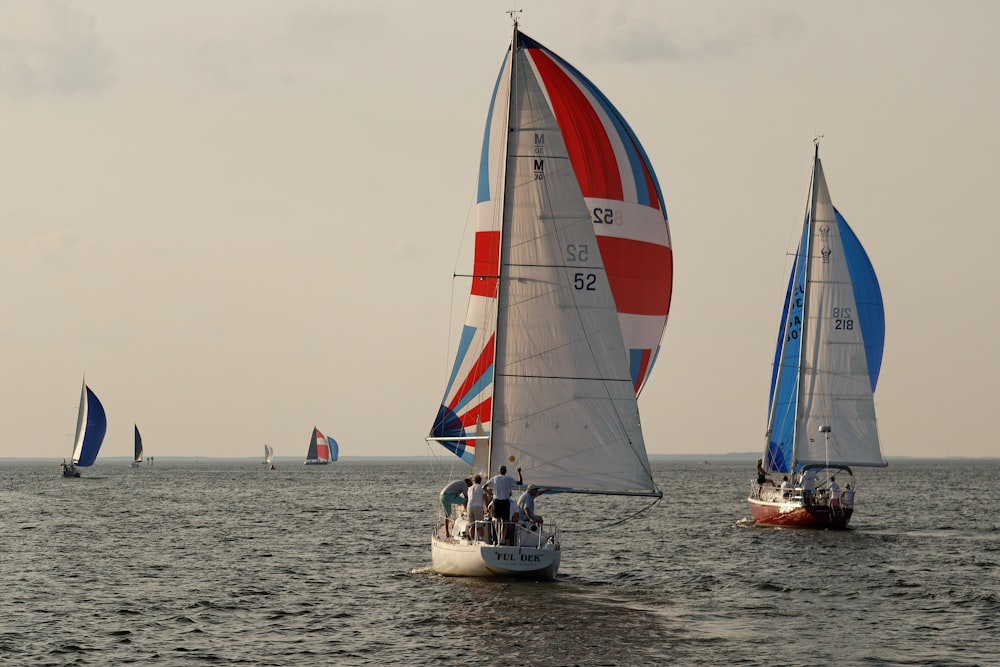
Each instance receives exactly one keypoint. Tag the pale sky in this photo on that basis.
(240, 218)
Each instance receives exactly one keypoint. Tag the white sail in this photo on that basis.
(835, 386)
(564, 404)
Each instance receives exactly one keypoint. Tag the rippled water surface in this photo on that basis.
(223, 562)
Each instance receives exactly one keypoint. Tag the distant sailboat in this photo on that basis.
(91, 425)
(821, 417)
(269, 457)
(137, 459)
(322, 450)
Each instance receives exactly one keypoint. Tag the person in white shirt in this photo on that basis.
(476, 506)
(501, 486)
(808, 483)
(786, 487)
(834, 492)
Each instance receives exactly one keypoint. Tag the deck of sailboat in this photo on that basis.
(769, 508)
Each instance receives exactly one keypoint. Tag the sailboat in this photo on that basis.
(322, 450)
(269, 457)
(544, 379)
(91, 425)
(821, 412)
(137, 458)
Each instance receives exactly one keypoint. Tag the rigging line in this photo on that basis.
(614, 523)
(562, 377)
(554, 266)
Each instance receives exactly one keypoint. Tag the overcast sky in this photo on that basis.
(240, 218)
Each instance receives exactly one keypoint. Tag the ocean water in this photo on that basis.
(224, 563)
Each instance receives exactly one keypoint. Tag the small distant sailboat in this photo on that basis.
(137, 458)
(322, 450)
(91, 426)
(821, 414)
(269, 457)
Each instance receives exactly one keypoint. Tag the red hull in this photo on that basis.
(797, 515)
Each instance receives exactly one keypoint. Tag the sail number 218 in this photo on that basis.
(842, 319)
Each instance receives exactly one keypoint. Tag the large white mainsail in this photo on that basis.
(835, 383)
(564, 405)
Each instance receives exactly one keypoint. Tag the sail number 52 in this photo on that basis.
(585, 281)
(577, 253)
(581, 253)
(604, 216)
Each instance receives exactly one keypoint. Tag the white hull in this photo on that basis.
(459, 557)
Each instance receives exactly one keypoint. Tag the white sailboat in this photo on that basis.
(821, 414)
(269, 457)
(544, 380)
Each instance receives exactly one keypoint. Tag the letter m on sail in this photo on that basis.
(539, 163)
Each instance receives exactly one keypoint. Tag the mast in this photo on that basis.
(505, 232)
(807, 276)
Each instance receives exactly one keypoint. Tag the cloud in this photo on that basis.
(711, 32)
(324, 30)
(51, 47)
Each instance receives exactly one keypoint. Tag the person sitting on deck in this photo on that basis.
(847, 496)
(526, 503)
(786, 487)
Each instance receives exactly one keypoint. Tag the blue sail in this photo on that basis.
(95, 427)
(867, 297)
(334, 449)
(782, 403)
